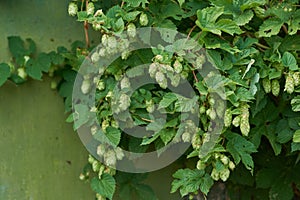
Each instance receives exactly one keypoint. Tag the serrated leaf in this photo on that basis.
(186, 104)
(296, 136)
(228, 26)
(4, 73)
(240, 149)
(114, 135)
(130, 16)
(137, 3)
(281, 190)
(295, 102)
(105, 186)
(166, 135)
(289, 60)
(167, 99)
(270, 27)
(206, 183)
(244, 18)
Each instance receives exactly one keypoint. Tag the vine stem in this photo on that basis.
(122, 4)
(285, 29)
(86, 28)
(190, 32)
(262, 46)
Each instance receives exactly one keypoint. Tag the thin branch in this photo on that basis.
(86, 27)
(192, 29)
(262, 46)
(285, 29)
(122, 4)
(195, 77)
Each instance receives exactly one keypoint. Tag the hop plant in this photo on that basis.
(100, 85)
(85, 86)
(95, 57)
(175, 80)
(119, 153)
(266, 85)
(224, 174)
(131, 30)
(177, 66)
(275, 87)
(227, 118)
(143, 19)
(124, 102)
(236, 121)
(100, 150)
(21, 72)
(153, 69)
(125, 83)
(296, 77)
(161, 80)
(200, 60)
(186, 137)
(244, 123)
(289, 84)
(201, 165)
(196, 141)
(72, 9)
(110, 158)
(90, 8)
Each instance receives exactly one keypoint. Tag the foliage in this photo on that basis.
(255, 46)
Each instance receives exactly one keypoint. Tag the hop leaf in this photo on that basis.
(275, 87)
(289, 84)
(266, 85)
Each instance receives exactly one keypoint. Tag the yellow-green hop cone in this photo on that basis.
(224, 174)
(244, 123)
(227, 118)
(72, 9)
(236, 121)
(131, 30)
(245, 126)
(266, 85)
(143, 19)
(289, 84)
(90, 8)
(296, 77)
(215, 175)
(275, 87)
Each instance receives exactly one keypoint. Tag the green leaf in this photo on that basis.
(296, 136)
(181, 2)
(137, 3)
(244, 18)
(188, 181)
(289, 61)
(206, 183)
(207, 18)
(166, 135)
(281, 189)
(295, 102)
(82, 16)
(4, 73)
(33, 69)
(270, 27)
(167, 99)
(240, 149)
(145, 192)
(16, 46)
(228, 26)
(105, 186)
(114, 135)
(186, 104)
(130, 16)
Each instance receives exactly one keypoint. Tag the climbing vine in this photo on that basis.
(253, 44)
